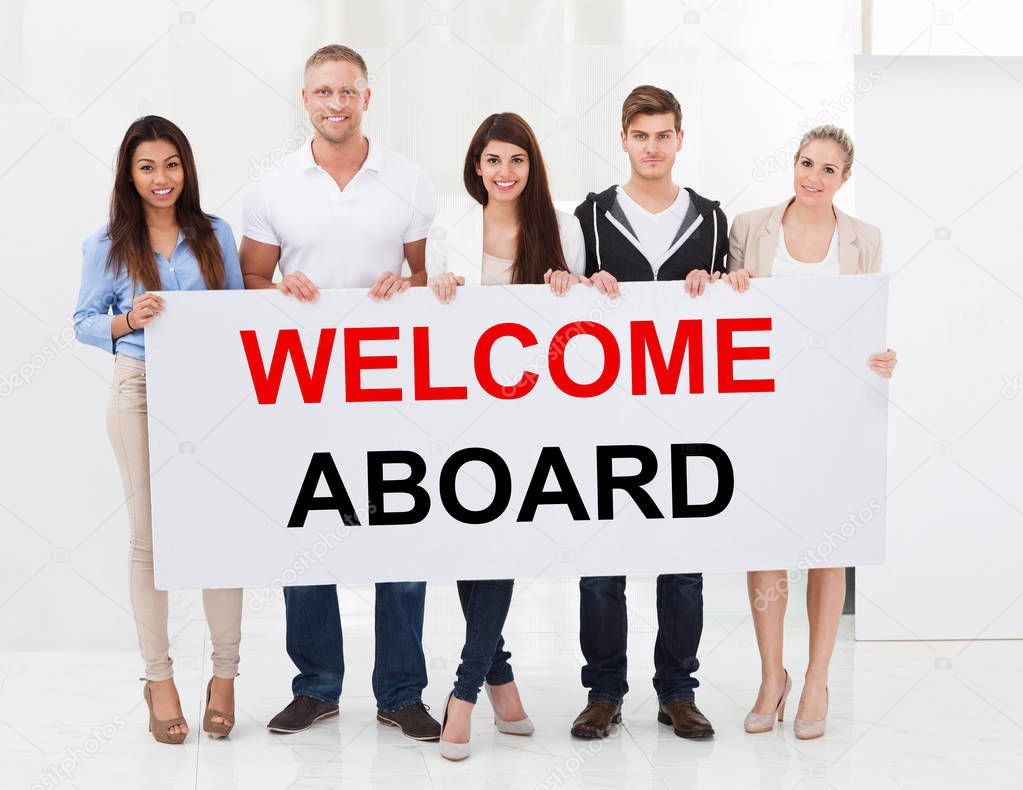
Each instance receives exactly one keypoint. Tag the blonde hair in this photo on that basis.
(336, 52)
(648, 100)
(836, 135)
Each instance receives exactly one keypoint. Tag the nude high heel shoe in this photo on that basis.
(216, 729)
(807, 730)
(764, 722)
(160, 728)
(449, 750)
(520, 727)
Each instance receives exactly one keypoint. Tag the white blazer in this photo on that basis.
(458, 248)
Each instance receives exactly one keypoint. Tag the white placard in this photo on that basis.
(634, 452)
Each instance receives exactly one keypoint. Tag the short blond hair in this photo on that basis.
(649, 100)
(334, 53)
(836, 135)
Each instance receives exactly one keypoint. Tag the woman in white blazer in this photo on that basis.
(513, 236)
(804, 236)
(458, 250)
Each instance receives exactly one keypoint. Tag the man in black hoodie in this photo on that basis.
(647, 229)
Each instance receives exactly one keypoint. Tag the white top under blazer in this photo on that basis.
(787, 266)
(458, 248)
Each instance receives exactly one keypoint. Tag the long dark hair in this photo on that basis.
(131, 248)
(539, 244)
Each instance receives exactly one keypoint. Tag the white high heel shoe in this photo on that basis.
(764, 722)
(449, 750)
(806, 729)
(520, 727)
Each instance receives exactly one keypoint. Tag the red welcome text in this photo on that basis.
(655, 361)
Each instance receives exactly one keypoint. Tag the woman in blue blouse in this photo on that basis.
(158, 238)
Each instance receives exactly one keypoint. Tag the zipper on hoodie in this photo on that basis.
(635, 242)
(682, 243)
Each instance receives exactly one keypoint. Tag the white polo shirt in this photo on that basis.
(341, 239)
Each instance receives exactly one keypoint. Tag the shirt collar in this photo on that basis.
(374, 157)
(304, 159)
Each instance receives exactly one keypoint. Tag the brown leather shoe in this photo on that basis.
(686, 719)
(301, 713)
(413, 720)
(596, 719)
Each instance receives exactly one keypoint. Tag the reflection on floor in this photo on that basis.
(903, 715)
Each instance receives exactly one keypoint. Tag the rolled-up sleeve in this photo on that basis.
(572, 244)
(256, 222)
(736, 241)
(93, 316)
(424, 209)
(229, 250)
(436, 252)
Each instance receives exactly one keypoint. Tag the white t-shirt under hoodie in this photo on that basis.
(656, 232)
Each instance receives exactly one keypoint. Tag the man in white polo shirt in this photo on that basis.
(344, 212)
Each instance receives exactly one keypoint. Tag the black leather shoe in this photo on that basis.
(301, 714)
(596, 719)
(413, 720)
(686, 719)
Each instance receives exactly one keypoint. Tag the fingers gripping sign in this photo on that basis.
(298, 285)
(145, 309)
(445, 285)
(387, 285)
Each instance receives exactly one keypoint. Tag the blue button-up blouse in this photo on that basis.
(103, 296)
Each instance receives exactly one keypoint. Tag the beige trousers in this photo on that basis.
(129, 434)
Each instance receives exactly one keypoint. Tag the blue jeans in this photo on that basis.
(485, 606)
(315, 643)
(603, 633)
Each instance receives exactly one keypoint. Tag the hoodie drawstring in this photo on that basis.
(714, 248)
(714, 242)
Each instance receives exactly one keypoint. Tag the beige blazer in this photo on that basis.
(753, 240)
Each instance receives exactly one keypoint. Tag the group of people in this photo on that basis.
(346, 212)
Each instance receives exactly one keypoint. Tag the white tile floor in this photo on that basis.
(904, 715)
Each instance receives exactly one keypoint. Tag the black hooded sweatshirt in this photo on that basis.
(701, 241)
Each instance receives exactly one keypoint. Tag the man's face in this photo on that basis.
(335, 96)
(651, 143)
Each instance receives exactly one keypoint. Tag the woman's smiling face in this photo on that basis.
(820, 172)
(157, 173)
(504, 168)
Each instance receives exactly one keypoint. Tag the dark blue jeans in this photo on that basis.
(485, 606)
(603, 633)
(315, 643)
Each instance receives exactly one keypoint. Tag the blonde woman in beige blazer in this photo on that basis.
(804, 236)
(753, 241)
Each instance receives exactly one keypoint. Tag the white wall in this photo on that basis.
(946, 188)
(751, 76)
